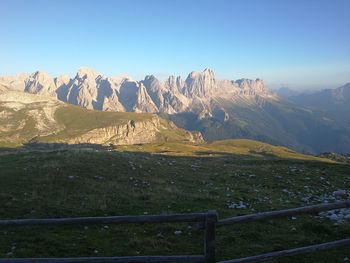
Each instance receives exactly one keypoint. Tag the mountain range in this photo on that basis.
(91, 90)
(333, 101)
(219, 109)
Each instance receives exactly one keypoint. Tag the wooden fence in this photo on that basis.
(209, 221)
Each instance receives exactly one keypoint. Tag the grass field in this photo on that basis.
(167, 178)
(241, 147)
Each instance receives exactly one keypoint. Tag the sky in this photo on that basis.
(301, 44)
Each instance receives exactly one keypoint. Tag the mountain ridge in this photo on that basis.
(334, 101)
(219, 109)
(92, 90)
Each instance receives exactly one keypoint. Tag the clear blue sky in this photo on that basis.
(298, 43)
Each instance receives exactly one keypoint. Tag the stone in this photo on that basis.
(333, 217)
(339, 192)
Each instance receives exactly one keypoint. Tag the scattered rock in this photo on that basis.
(339, 192)
(333, 217)
(239, 205)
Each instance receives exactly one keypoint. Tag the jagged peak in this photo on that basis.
(248, 81)
(178, 78)
(208, 74)
(87, 72)
(171, 78)
(40, 74)
(150, 78)
(194, 74)
(62, 79)
(208, 71)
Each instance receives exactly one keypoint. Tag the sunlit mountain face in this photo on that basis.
(219, 109)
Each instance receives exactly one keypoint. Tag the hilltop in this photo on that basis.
(42, 119)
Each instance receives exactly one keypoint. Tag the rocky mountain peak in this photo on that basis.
(39, 74)
(62, 79)
(341, 93)
(40, 83)
(40, 77)
(150, 78)
(152, 84)
(253, 87)
(200, 84)
(174, 84)
(85, 72)
(91, 90)
(171, 80)
(193, 75)
(208, 73)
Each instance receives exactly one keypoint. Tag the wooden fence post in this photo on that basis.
(210, 243)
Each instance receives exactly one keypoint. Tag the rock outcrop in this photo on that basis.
(132, 132)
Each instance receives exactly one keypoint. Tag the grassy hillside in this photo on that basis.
(25, 117)
(183, 178)
(77, 121)
(242, 147)
(17, 126)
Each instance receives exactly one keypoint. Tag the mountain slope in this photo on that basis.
(219, 109)
(285, 92)
(272, 122)
(333, 101)
(25, 117)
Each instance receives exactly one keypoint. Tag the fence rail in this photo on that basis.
(290, 252)
(209, 221)
(283, 213)
(138, 259)
(194, 217)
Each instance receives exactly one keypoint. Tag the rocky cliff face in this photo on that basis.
(91, 90)
(40, 83)
(133, 132)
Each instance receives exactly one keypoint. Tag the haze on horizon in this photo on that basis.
(293, 43)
